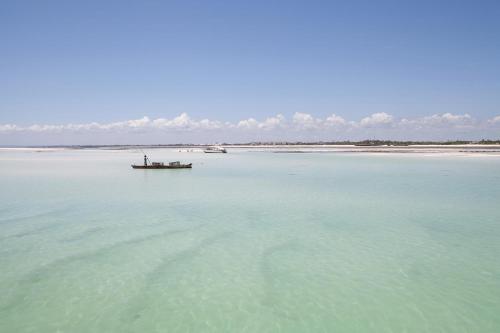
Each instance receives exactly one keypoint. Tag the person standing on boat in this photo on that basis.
(145, 160)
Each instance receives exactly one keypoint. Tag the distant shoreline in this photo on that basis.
(427, 149)
(486, 144)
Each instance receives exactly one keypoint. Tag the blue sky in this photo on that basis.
(109, 62)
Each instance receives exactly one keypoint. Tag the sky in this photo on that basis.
(126, 72)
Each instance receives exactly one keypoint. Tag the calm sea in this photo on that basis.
(249, 242)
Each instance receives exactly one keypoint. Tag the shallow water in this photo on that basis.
(249, 242)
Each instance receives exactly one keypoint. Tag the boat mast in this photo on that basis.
(146, 159)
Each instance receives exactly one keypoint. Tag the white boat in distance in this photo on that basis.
(215, 149)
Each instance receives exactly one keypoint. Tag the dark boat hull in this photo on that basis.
(182, 166)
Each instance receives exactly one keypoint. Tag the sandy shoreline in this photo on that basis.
(448, 150)
(476, 150)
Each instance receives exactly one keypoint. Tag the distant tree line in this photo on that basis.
(373, 143)
(295, 143)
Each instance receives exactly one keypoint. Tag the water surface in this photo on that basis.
(249, 242)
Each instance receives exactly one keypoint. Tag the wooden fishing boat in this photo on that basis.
(161, 165)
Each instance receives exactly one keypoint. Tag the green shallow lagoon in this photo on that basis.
(249, 242)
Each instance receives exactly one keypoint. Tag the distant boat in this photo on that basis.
(161, 165)
(215, 149)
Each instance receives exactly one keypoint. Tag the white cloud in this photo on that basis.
(305, 121)
(376, 120)
(46, 128)
(8, 128)
(249, 123)
(138, 122)
(86, 127)
(494, 120)
(335, 120)
(270, 123)
(273, 122)
(447, 120)
(210, 125)
(301, 126)
(182, 121)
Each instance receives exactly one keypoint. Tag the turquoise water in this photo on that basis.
(249, 242)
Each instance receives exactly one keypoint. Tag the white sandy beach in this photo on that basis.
(428, 150)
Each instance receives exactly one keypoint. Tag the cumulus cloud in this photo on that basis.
(494, 120)
(335, 120)
(211, 125)
(249, 123)
(271, 123)
(446, 120)
(305, 121)
(182, 121)
(301, 124)
(8, 128)
(138, 122)
(377, 119)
